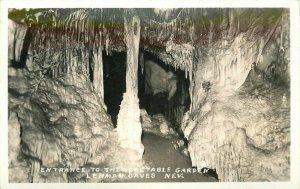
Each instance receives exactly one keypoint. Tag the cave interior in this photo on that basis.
(213, 82)
(114, 73)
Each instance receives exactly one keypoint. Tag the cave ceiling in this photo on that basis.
(166, 33)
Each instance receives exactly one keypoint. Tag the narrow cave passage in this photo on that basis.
(163, 90)
(164, 94)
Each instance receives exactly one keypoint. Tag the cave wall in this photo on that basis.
(62, 123)
(278, 51)
(225, 59)
(55, 122)
(237, 122)
(15, 43)
(243, 135)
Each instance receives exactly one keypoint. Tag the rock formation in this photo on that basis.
(234, 66)
(129, 126)
(241, 134)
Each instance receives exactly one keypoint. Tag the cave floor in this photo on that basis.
(159, 152)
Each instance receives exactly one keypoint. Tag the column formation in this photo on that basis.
(129, 127)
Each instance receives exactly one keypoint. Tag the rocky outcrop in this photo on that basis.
(158, 80)
(157, 124)
(246, 136)
(239, 121)
(15, 164)
(58, 119)
(63, 122)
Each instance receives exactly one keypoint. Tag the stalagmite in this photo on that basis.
(129, 126)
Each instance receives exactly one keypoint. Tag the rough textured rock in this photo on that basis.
(14, 133)
(242, 132)
(277, 51)
(146, 119)
(245, 135)
(158, 80)
(14, 164)
(63, 122)
(157, 124)
(71, 110)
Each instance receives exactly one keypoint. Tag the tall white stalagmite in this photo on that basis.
(129, 126)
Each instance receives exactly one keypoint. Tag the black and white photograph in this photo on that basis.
(149, 95)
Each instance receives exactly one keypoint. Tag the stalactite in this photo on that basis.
(87, 63)
(260, 47)
(98, 72)
(107, 43)
(83, 65)
(211, 33)
(281, 48)
(69, 59)
(142, 63)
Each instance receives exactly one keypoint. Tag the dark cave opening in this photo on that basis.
(114, 68)
(114, 73)
(174, 107)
